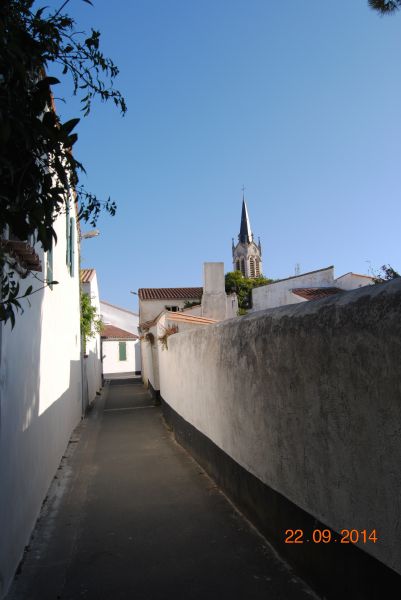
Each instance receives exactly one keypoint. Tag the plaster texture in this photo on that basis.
(214, 299)
(40, 400)
(306, 398)
(113, 364)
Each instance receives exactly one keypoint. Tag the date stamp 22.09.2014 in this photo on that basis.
(326, 536)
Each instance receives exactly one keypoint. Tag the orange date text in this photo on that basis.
(326, 536)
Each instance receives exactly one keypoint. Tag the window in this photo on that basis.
(237, 265)
(172, 308)
(252, 266)
(122, 350)
(257, 267)
(71, 246)
(67, 234)
(243, 267)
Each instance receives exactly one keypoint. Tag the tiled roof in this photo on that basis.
(23, 252)
(170, 293)
(182, 317)
(87, 275)
(110, 331)
(316, 293)
(177, 316)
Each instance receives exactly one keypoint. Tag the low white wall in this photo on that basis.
(307, 399)
(40, 402)
(111, 361)
(279, 293)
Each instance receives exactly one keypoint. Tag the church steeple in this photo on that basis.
(245, 233)
(247, 256)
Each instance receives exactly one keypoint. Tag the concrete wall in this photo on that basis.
(307, 399)
(111, 361)
(119, 317)
(92, 360)
(279, 293)
(40, 401)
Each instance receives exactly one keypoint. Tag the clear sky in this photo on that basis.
(298, 101)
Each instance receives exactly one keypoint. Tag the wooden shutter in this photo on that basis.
(72, 245)
(122, 350)
(49, 266)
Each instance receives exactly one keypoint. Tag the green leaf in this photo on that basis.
(68, 126)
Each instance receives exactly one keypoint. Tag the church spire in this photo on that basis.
(245, 233)
(247, 255)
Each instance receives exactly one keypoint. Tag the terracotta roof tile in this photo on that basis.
(316, 293)
(87, 275)
(176, 316)
(170, 293)
(110, 331)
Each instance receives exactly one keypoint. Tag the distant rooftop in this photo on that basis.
(316, 293)
(112, 332)
(170, 293)
(87, 275)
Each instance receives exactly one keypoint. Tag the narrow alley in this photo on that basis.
(131, 515)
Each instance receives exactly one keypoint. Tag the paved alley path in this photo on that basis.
(132, 516)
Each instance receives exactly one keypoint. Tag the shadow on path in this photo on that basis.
(132, 516)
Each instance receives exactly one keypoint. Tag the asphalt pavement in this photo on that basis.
(131, 516)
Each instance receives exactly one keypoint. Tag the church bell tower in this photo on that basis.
(247, 255)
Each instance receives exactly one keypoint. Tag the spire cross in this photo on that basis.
(243, 189)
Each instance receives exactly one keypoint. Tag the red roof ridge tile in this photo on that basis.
(176, 293)
(111, 331)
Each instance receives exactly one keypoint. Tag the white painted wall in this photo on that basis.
(317, 422)
(214, 299)
(92, 358)
(352, 281)
(40, 401)
(279, 293)
(111, 362)
(120, 317)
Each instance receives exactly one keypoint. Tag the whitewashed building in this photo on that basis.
(92, 359)
(40, 385)
(121, 353)
(211, 305)
(306, 286)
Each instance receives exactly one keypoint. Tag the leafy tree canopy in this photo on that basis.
(385, 273)
(385, 7)
(91, 323)
(242, 286)
(37, 167)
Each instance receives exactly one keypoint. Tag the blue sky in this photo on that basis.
(298, 101)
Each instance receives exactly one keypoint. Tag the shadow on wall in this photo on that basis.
(138, 365)
(92, 378)
(33, 438)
